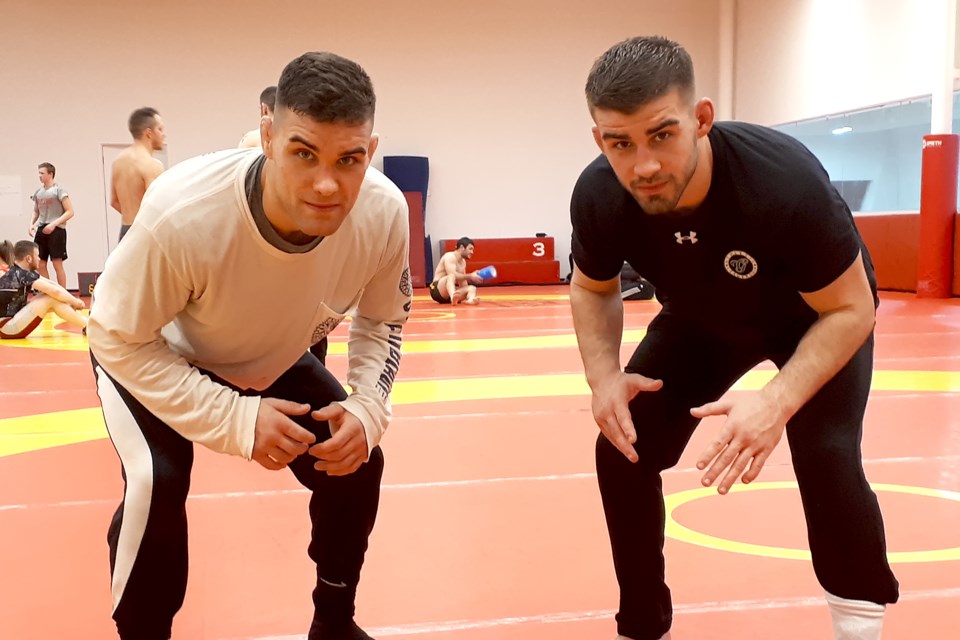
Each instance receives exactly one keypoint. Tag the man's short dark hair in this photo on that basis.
(24, 248)
(52, 170)
(638, 70)
(142, 119)
(269, 97)
(464, 242)
(327, 88)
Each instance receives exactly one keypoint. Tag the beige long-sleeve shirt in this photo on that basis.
(195, 284)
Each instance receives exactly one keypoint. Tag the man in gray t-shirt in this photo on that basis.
(51, 210)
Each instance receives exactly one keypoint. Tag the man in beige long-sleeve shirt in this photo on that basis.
(239, 261)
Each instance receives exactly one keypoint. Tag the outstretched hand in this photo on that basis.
(753, 427)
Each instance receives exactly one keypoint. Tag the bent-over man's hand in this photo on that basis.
(279, 439)
(346, 450)
(753, 427)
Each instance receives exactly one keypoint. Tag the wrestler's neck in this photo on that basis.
(699, 185)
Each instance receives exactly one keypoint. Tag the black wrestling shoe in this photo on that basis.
(337, 631)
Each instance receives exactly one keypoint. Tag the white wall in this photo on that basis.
(491, 92)
(799, 59)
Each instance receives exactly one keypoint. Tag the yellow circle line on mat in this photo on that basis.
(28, 433)
(677, 531)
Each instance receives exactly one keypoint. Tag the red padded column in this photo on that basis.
(938, 209)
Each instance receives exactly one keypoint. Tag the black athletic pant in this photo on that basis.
(844, 525)
(148, 535)
(319, 349)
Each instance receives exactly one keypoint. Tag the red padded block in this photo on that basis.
(527, 272)
(893, 240)
(493, 250)
(86, 283)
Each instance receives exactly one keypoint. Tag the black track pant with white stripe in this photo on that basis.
(148, 534)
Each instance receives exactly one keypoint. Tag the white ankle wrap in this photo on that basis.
(855, 619)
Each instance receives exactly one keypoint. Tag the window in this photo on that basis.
(873, 155)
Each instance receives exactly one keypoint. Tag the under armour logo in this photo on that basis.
(680, 237)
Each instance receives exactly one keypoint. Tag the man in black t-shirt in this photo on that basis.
(19, 316)
(755, 257)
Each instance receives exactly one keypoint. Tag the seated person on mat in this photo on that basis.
(18, 316)
(451, 282)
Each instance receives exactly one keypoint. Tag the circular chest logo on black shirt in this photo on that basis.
(740, 264)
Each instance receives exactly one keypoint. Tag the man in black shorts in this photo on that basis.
(451, 282)
(755, 257)
(51, 210)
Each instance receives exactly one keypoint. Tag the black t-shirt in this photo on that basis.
(20, 280)
(770, 227)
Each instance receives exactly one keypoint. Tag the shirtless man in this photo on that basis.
(451, 282)
(135, 168)
(251, 139)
